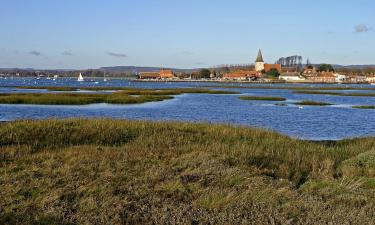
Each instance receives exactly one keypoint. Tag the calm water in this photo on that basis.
(317, 123)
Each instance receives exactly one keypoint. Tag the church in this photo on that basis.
(260, 66)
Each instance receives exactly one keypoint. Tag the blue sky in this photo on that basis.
(49, 34)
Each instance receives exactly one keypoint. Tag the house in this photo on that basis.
(162, 74)
(166, 74)
(242, 75)
(340, 77)
(323, 77)
(268, 67)
(370, 79)
(309, 71)
(291, 77)
(149, 75)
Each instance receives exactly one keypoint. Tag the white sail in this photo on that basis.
(80, 78)
(104, 79)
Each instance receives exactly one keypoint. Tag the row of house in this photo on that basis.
(310, 74)
(325, 77)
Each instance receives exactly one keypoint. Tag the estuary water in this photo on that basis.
(334, 122)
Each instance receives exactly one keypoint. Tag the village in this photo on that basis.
(264, 72)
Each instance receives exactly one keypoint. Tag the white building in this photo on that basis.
(370, 79)
(291, 77)
(339, 77)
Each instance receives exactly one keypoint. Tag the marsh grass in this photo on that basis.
(76, 98)
(301, 88)
(262, 98)
(313, 103)
(100, 171)
(364, 107)
(128, 96)
(335, 93)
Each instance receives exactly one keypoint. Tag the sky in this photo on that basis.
(82, 34)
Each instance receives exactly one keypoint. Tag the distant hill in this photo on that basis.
(355, 66)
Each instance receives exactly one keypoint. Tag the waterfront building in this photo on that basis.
(162, 74)
(340, 77)
(323, 77)
(149, 75)
(370, 79)
(165, 74)
(242, 75)
(291, 76)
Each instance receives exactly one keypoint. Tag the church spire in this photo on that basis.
(259, 57)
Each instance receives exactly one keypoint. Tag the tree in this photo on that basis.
(326, 68)
(204, 73)
(273, 73)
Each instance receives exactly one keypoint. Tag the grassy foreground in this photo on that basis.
(80, 171)
(262, 98)
(129, 96)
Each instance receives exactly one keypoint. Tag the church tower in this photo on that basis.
(259, 63)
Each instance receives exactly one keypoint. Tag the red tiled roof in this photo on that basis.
(241, 74)
(166, 73)
(268, 67)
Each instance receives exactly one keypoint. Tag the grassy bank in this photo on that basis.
(364, 107)
(300, 88)
(262, 98)
(111, 172)
(313, 103)
(129, 96)
(78, 99)
(335, 93)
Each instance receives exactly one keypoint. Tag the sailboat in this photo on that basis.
(105, 79)
(80, 78)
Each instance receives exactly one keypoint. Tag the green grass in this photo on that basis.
(336, 93)
(129, 96)
(77, 99)
(296, 88)
(313, 103)
(97, 171)
(262, 98)
(364, 107)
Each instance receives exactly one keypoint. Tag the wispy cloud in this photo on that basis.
(362, 28)
(117, 55)
(35, 53)
(67, 53)
(187, 53)
(200, 63)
